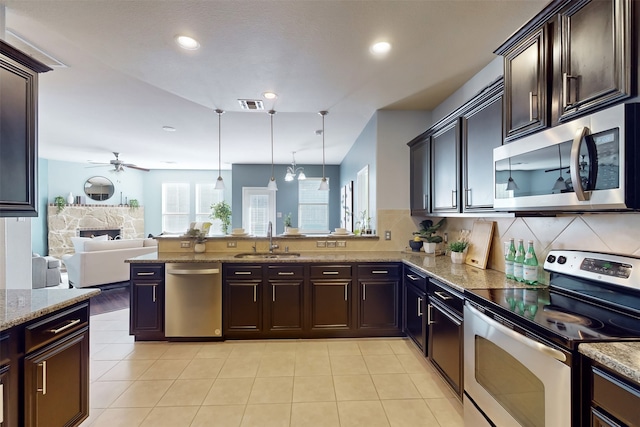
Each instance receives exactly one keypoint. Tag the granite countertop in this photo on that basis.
(18, 306)
(458, 276)
(620, 357)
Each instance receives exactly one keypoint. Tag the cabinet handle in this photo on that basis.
(379, 272)
(566, 87)
(273, 293)
(443, 295)
(346, 296)
(364, 292)
(424, 201)
(242, 273)
(154, 293)
(419, 307)
(412, 277)
(255, 293)
(285, 273)
(467, 195)
(329, 272)
(44, 378)
(531, 116)
(1, 403)
(453, 198)
(429, 321)
(65, 327)
(145, 273)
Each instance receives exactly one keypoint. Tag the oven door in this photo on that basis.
(514, 380)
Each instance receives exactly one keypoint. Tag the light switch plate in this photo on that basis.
(232, 244)
(321, 244)
(387, 235)
(185, 244)
(341, 243)
(331, 244)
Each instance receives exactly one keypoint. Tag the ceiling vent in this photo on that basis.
(251, 104)
(28, 48)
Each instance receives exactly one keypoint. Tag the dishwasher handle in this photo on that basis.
(188, 272)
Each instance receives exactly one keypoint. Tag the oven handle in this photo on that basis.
(541, 348)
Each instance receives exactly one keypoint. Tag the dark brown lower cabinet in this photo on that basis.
(379, 305)
(614, 400)
(415, 302)
(146, 315)
(56, 381)
(243, 305)
(330, 304)
(284, 308)
(5, 395)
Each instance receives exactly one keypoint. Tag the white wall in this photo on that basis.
(15, 253)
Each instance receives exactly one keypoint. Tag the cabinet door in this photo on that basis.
(414, 321)
(525, 85)
(419, 178)
(444, 163)
(445, 344)
(284, 308)
(147, 307)
(482, 132)
(56, 382)
(379, 304)
(5, 394)
(330, 304)
(596, 52)
(243, 310)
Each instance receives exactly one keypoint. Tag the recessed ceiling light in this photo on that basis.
(168, 128)
(187, 42)
(380, 48)
(270, 95)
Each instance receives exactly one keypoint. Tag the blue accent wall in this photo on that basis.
(287, 194)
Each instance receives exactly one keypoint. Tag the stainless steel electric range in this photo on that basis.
(521, 344)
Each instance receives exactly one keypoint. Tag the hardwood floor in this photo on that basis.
(110, 299)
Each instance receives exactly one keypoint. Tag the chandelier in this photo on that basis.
(293, 170)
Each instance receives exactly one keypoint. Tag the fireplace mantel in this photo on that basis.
(65, 224)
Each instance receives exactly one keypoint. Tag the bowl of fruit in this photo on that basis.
(415, 244)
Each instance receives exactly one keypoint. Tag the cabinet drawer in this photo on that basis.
(240, 271)
(55, 327)
(147, 271)
(615, 396)
(416, 278)
(286, 272)
(331, 271)
(374, 271)
(446, 296)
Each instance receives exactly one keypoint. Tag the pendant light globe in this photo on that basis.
(219, 182)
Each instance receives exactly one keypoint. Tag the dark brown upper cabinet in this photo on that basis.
(420, 154)
(595, 62)
(18, 132)
(445, 168)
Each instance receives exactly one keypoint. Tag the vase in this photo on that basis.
(457, 257)
(70, 199)
(430, 247)
(415, 245)
(199, 248)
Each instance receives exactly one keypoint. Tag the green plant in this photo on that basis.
(427, 229)
(222, 211)
(286, 220)
(458, 246)
(134, 204)
(60, 203)
(197, 234)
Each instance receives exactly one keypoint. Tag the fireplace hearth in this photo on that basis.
(113, 233)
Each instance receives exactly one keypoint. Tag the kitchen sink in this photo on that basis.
(262, 255)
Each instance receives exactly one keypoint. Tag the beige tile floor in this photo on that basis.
(339, 382)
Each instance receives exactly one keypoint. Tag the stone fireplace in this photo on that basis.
(87, 220)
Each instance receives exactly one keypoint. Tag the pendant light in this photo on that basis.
(560, 184)
(220, 181)
(511, 184)
(272, 182)
(293, 170)
(324, 185)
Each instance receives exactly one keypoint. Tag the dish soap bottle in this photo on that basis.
(509, 259)
(519, 262)
(530, 265)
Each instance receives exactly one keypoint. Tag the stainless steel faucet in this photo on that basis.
(270, 236)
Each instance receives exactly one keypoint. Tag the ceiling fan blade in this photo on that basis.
(136, 167)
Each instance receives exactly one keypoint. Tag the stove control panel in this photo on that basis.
(603, 267)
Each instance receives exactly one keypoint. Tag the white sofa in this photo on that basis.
(102, 262)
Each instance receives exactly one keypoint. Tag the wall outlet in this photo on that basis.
(331, 244)
(341, 244)
(387, 235)
(232, 244)
(321, 244)
(185, 244)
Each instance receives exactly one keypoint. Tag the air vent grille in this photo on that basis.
(251, 104)
(20, 43)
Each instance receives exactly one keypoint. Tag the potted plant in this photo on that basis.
(458, 251)
(286, 221)
(134, 204)
(426, 233)
(222, 211)
(60, 203)
(200, 237)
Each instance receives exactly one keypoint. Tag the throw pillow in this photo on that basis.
(78, 242)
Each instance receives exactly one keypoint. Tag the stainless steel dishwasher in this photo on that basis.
(193, 300)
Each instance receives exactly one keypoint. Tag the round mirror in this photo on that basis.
(98, 188)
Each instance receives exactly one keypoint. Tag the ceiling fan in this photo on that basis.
(119, 165)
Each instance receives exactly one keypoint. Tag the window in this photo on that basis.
(175, 207)
(207, 195)
(258, 208)
(313, 207)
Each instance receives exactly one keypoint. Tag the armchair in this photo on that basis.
(45, 271)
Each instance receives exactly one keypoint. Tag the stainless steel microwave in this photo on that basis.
(588, 164)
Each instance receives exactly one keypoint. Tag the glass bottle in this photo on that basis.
(530, 265)
(519, 262)
(509, 258)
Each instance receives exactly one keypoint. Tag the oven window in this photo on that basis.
(510, 383)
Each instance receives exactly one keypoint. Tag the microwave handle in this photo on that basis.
(575, 164)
